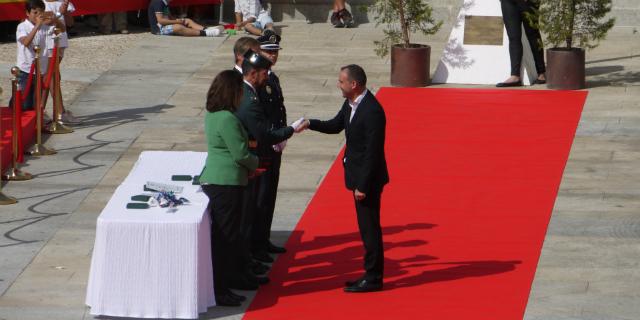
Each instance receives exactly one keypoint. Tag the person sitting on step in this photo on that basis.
(254, 19)
(163, 23)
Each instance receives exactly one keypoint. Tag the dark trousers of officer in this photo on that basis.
(513, 14)
(225, 210)
(368, 212)
(249, 213)
(266, 204)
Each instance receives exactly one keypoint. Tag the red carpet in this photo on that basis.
(28, 133)
(474, 176)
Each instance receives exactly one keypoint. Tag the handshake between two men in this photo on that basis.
(298, 126)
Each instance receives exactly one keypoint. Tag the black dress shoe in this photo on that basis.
(242, 283)
(237, 296)
(258, 268)
(509, 84)
(272, 248)
(352, 282)
(364, 285)
(262, 256)
(227, 300)
(262, 280)
(539, 81)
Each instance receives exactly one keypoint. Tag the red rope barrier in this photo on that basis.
(49, 76)
(18, 133)
(27, 89)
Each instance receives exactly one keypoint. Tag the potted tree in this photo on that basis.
(570, 27)
(410, 62)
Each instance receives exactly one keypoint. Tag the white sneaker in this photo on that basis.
(214, 31)
(68, 117)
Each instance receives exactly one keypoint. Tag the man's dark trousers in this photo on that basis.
(249, 213)
(266, 204)
(368, 212)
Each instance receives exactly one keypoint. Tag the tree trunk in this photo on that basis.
(403, 24)
(572, 18)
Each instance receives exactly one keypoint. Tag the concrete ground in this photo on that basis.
(153, 99)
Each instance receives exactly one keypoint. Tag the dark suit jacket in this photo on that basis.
(251, 113)
(365, 166)
(272, 99)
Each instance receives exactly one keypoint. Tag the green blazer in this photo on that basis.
(228, 158)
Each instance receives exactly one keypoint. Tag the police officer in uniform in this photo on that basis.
(251, 113)
(273, 102)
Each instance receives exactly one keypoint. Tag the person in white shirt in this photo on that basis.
(253, 18)
(30, 33)
(60, 9)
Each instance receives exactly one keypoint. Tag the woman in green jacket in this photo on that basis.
(224, 177)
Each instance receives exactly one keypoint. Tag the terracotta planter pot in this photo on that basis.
(410, 66)
(566, 69)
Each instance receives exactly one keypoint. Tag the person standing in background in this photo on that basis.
(514, 14)
(60, 9)
(113, 21)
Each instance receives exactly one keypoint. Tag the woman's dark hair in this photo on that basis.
(225, 91)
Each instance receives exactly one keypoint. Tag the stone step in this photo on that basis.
(626, 4)
(319, 11)
(626, 12)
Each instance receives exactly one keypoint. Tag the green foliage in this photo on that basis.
(401, 18)
(580, 23)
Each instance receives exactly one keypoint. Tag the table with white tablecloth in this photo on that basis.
(156, 262)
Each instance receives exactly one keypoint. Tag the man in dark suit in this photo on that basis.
(365, 167)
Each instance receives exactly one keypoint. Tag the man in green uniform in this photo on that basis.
(251, 113)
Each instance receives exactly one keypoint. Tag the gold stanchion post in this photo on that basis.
(13, 173)
(38, 149)
(56, 126)
(4, 199)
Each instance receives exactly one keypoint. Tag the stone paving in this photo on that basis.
(153, 99)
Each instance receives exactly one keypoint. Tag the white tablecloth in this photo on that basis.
(153, 263)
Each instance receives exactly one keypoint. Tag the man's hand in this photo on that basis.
(359, 195)
(305, 124)
(48, 18)
(39, 20)
(280, 146)
(298, 125)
